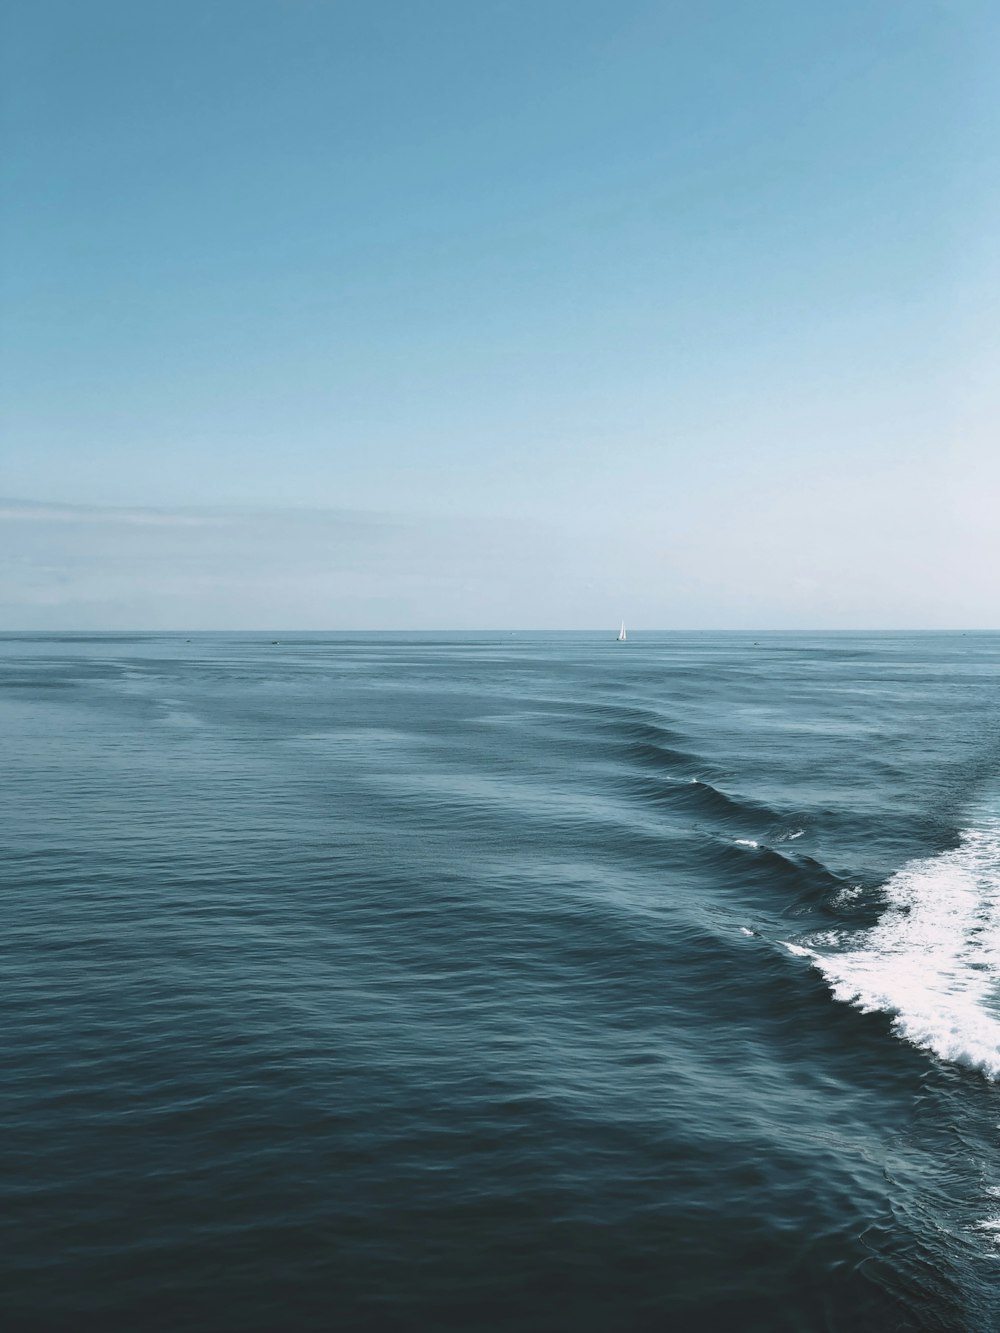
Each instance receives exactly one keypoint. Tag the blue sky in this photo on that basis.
(574, 309)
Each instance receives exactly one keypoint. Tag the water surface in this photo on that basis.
(531, 982)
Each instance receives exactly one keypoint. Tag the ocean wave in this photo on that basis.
(657, 753)
(646, 740)
(706, 799)
(991, 1224)
(932, 961)
(795, 885)
(639, 737)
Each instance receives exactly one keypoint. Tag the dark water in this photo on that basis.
(444, 982)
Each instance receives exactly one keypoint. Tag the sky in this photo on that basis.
(360, 314)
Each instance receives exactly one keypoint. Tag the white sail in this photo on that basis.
(622, 636)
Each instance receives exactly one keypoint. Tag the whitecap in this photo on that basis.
(747, 842)
(991, 1225)
(848, 894)
(798, 950)
(932, 961)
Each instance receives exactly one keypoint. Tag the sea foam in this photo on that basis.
(933, 959)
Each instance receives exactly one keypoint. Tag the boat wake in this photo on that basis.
(933, 959)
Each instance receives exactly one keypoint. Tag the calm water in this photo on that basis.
(499, 982)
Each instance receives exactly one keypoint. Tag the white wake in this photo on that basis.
(933, 959)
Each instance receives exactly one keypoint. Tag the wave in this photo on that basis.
(654, 745)
(711, 802)
(991, 1224)
(795, 884)
(932, 961)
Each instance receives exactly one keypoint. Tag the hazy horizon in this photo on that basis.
(90, 568)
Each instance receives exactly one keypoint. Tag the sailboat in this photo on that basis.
(622, 636)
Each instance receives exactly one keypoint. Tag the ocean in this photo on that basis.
(500, 982)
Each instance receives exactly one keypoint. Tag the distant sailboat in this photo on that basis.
(622, 636)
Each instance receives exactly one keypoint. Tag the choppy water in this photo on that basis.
(500, 982)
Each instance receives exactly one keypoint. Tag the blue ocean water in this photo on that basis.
(500, 981)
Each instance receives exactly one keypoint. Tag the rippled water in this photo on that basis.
(501, 982)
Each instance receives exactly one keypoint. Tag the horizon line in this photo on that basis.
(507, 629)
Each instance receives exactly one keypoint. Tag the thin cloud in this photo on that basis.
(27, 511)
